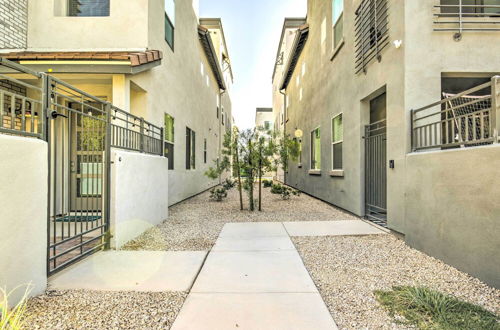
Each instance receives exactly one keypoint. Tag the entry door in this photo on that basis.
(376, 162)
(87, 152)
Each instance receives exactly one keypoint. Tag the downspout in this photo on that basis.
(284, 125)
(219, 156)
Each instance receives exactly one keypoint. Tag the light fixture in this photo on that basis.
(398, 43)
(298, 133)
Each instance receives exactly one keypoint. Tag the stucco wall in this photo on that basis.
(323, 86)
(13, 23)
(125, 29)
(23, 214)
(139, 194)
(453, 209)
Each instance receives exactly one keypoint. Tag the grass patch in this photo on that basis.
(429, 309)
(12, 318)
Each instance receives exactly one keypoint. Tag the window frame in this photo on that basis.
(190, 149)
(69, 10)
(167, 142)
(314, 162)
(341, 141)
(171, 24)
(335, 23)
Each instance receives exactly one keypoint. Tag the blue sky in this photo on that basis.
(253, 29)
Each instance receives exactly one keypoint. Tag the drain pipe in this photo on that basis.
(221, 93)
(284, 124)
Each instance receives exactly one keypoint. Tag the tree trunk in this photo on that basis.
(251, 176)
(260, 180)
(239, 178)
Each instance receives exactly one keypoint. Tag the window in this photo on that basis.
(372, 32)
(169, 140)
(88, 8)
(205, 151)
(217, 112)
(222, 120)
(267, 125)
(316, 149)
(337, 141)
(170, 22)
(190, 149)
(338, 22)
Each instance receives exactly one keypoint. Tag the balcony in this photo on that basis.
(467, 15)
(467, 119)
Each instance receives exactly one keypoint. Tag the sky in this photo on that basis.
(253, 30)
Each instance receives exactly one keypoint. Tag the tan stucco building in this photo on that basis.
(348, 80)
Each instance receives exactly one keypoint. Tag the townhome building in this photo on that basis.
(114, 111)
(396, 107)
(264, 118)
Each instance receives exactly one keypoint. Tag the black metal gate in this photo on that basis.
(376, 172)
(78, 133)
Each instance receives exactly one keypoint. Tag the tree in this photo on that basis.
(230, 160)
(285, 149)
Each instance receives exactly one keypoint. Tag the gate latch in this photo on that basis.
(391, 164)
(54, 114)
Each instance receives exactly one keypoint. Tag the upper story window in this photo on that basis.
(170, 22)
(338, 22)
(88, 8)
(372, 32)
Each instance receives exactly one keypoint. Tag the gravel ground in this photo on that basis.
(104, 310)
(196, 223)
(346, 270)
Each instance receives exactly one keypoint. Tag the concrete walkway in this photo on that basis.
(254, 279)
(143, 271)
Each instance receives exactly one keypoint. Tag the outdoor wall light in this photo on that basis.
(398, 43)
(298, 133)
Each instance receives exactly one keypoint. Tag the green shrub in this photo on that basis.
(218, 194)
(429, 309)
(229, 184)
(267, 183)
(284, 191)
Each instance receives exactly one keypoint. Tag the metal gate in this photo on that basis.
(78, 133)
(376, 172)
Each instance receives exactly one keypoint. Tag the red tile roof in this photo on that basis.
(135, 58)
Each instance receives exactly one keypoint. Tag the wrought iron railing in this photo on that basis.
(461, 16)
(130, 132)
(372, 32)
(23, 109)
(462, 120)
(21, 100)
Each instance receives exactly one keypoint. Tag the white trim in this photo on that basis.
(337, 142)
(310, 149)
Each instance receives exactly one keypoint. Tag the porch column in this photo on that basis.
(121, 92)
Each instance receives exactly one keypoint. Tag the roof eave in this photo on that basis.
(211, 54)
(297, 48)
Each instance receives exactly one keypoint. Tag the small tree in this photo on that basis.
(249, 161)
(285, 149)
(265, 152)
(230, 158)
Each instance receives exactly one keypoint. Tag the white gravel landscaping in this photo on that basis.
(104, 310)
(347, 270)
(195, 224)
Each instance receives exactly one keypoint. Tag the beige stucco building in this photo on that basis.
(264, 118)
(114, 112)
(351, 75)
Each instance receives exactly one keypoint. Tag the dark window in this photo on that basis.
(217, 112)
(169, 32)
(337, 142)
(205, 151)
(169, 153)
(88, 8)
(170, 22)
(190, 149)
